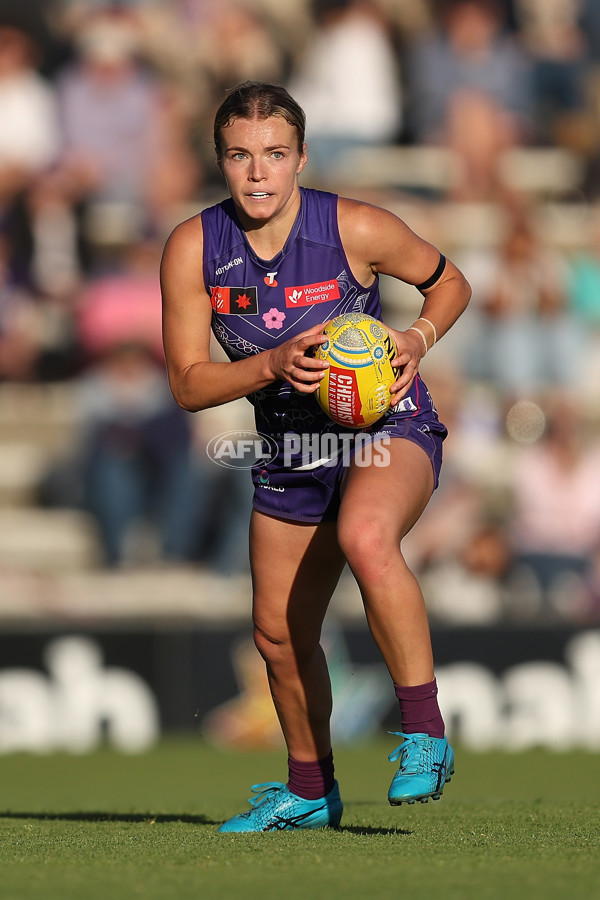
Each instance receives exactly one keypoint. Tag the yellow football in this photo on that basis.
(356, 388)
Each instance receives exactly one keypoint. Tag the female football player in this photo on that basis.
(265, 269)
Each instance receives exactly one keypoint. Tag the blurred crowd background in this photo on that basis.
(477, 121)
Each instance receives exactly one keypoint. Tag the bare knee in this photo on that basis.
(279, 647)
(368, 547)
(269, 643)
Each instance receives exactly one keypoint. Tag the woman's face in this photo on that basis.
(260, 163)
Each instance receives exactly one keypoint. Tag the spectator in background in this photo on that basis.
(348, 81)
(19, 327)
(584, 299)
(124, 137)
(137, 459)
(584, 278)
(29, 137)
(36, 339)
(199, 48)
(552, 34)
(590, 21)
(121, 305)
(523, 335)
(236, 43)
(470, 587)
(470, 90)
(136, 447)
(29, 132)
(555, 523)
(139, 465)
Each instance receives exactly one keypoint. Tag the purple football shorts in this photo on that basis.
(302, 481)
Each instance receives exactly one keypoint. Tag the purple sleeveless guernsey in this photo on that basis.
(258, 304)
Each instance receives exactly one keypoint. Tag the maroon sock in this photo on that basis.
(311, 780)
(419, 710)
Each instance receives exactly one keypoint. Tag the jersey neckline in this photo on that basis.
(293, 234)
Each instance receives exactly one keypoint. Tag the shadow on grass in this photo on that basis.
(369, 829)
(109, 817)
(150, 819)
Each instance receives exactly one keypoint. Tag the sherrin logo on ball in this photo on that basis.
(355, 391)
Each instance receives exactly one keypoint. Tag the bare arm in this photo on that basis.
(377, 241)
(196, 381)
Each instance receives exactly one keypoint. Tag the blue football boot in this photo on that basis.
(426, 764)
(275, 808)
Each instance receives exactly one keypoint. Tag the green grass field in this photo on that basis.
(113, 826)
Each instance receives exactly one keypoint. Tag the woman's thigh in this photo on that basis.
(380, 504)
(295, 569)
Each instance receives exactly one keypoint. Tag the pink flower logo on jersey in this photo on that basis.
(274, 318)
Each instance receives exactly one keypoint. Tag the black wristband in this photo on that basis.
(437, 274)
